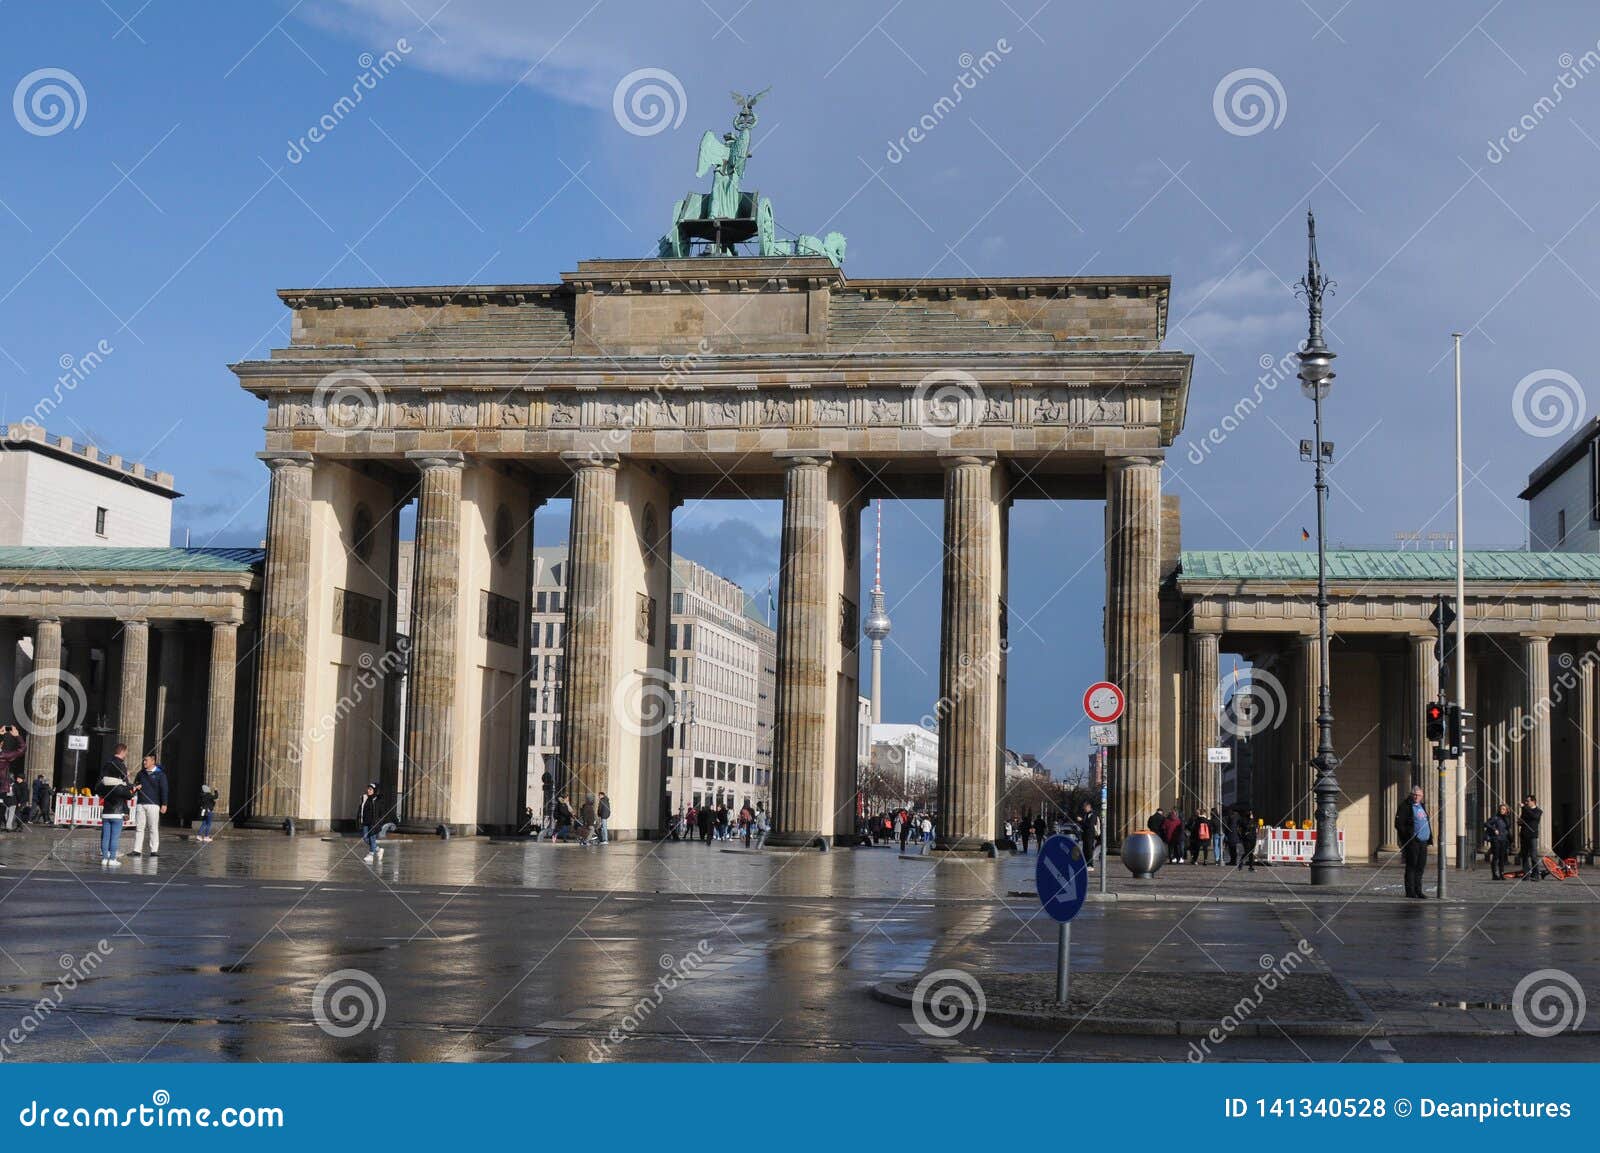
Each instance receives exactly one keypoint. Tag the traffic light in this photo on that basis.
(1435, 722)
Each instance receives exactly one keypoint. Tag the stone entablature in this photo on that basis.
(1555, 609)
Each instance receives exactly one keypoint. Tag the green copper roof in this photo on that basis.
(1375, 565)
(93, 559)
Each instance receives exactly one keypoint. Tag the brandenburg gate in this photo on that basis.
(631, 386)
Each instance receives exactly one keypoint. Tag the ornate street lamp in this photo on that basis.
(1316, 380)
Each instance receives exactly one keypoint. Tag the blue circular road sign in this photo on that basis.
(1062, 877)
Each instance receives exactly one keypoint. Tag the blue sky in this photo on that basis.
(162, 222)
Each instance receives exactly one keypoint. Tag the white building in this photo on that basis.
(1563, 496)
(904, 767)
(57, 493)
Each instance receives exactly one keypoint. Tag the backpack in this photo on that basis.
(1204, 831)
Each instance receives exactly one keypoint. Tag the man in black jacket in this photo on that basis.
(1415, 830)
(1497, 831)
(1528, 821)
(150, 794)
(115, 792)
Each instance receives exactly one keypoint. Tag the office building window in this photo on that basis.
(100, 522)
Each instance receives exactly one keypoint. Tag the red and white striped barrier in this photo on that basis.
(73, 809)
(1291, 846)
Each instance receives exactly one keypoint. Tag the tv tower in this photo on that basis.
(877, 623)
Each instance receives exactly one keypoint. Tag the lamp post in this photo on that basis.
(1316, 380)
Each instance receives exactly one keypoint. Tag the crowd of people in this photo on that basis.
(1207, 837)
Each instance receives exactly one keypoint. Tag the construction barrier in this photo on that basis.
(72, 809)
(1291, 846)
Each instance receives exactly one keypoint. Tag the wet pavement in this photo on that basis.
(260, 946)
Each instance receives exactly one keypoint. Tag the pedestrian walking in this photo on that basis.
(115, 793)
(1027, 831)
(905, 830)
(927, 835)
(1528, 822)
(1200, 831)
(1089, 829)
(1497, 831)
(1247, 839)
(602, 814)
(747, 823)
(370, 818)
(43, 799)
(150, 787)
(1415, 831)
(1218, 836)
(561, 818)
(588, 817)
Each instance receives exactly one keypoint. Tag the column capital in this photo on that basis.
(1534, 639)
(229, 623)
(591, 458)
(49, 619)
(137, 621)
(1135, 458)
(285, 458)
(428, 459)
(800, 457)
(958, 457)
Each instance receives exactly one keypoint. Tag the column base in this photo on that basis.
(800, 841)
(986, 849)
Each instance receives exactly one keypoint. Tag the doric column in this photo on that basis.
(435, 621)
(135, 679)
(1200, 720)
(1586, 755)
(1308, 673)
(219, 711)
(1133, 626)
(1536, 735)
(591, 618)
(44, 702)
(970, 748)
(801, 756)
(1424, 682)
(285, 623)
(169, 690)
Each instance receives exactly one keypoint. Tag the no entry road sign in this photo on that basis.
(1103, 702)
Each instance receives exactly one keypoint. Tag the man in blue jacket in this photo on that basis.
(150, 794)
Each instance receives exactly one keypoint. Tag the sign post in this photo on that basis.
(1103, 703)
(1063, 884)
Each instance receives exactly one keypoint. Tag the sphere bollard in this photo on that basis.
(1144, 853)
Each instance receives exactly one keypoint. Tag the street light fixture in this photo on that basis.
(1316, 381)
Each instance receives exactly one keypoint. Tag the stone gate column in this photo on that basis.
(586, 703)
(219, 712)
(285, 624)
(1308, 672)
(44, 704)
(971, 741)
(1201, 718)
(1133, 658)
(1424, 682)
(135, 678)
(435, 624)
(1536, 734)
(1586, 755)
(801, 754)
(1392, 674)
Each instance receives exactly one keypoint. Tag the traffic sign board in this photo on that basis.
(1103, 702)
(1062, 877)
(1103, 735)
(77, 742)
(1219, 756)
